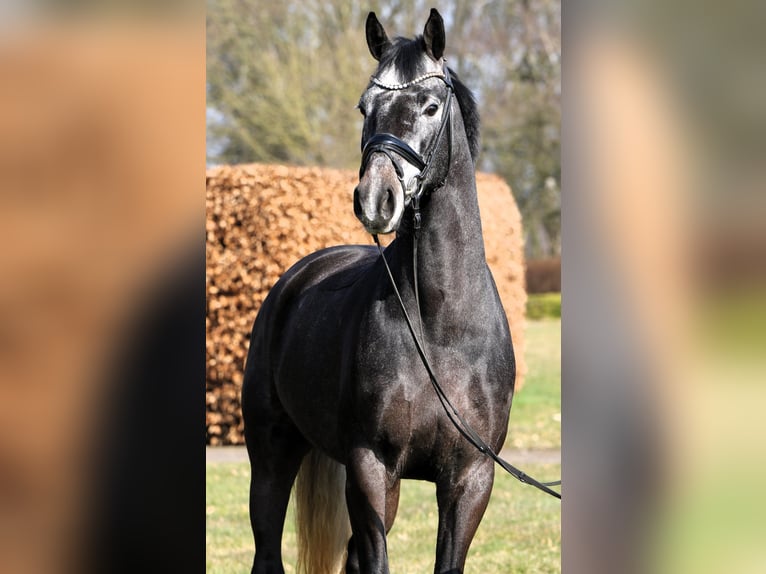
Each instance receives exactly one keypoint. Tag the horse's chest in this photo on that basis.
(400, 408)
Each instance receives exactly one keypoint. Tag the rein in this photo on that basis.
(452, 413)
(387, 144)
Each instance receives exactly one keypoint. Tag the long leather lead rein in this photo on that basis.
(457, 420)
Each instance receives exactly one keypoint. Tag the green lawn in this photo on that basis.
(521, 530)
(536, 411)
(520, 533)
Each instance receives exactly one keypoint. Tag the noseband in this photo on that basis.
(389, 144)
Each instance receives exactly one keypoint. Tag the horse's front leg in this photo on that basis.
(463, 497)
(368, 485)
(392, 506)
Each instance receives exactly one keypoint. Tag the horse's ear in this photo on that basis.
(434, 35)
(377, 40)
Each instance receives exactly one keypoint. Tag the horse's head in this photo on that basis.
(406, 108)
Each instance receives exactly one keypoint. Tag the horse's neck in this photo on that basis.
(450, 248)
(451, 240)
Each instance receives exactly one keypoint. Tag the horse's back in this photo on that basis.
(330, 269)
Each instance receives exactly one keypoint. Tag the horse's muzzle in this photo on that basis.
(379, 198)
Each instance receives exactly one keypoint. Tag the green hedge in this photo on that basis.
(544, 306)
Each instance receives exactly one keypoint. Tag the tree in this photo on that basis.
(284, 77)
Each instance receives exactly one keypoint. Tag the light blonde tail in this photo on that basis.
(321, 515)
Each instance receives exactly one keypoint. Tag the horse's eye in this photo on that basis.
(432, 109)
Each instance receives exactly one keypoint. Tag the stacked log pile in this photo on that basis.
(263, 218)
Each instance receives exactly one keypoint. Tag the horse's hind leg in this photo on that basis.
(462, 498)
(276, 451)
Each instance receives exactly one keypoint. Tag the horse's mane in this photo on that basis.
(406, 55)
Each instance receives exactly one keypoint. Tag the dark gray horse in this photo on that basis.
(334, 386)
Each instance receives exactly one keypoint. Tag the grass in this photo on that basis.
(520, 533)
(536, 413)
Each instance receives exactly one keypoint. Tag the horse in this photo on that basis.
(334, 393)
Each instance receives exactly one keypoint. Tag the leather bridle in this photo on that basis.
(388, 144)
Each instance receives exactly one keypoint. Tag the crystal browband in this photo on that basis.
(377, 82)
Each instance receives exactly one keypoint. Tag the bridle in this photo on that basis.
(389, 144)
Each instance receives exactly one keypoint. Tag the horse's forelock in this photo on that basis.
(404, 59)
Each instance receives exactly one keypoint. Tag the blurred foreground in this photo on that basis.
(101, 290)
(663, 291)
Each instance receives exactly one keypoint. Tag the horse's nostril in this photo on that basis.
(357, 203)
(387, 203)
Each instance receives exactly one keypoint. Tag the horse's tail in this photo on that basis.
(321, 515)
